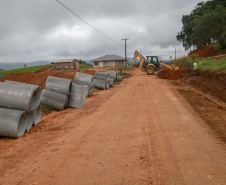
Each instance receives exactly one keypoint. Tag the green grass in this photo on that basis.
(47, 109)
(203, 63)
(23, 70)
(127, 68)
(85, 66)
(214, 65)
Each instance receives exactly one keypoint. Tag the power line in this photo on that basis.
(86, 22)
(116, 27)
(103, 25)
(103, 18)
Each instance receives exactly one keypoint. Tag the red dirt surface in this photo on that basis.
(206, 52)
(210, 82)
(39, 78)
(172, 74)
(141, 131)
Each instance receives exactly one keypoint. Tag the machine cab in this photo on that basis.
(152, 60)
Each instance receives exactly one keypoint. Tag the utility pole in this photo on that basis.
(175, 53)
(125, 49)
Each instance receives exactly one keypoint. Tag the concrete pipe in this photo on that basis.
(119, 79)
(107, 84)
(87, 88)
(101, 75)
(100, 84)
(12, 122)
(37, 114)
(60, 85)
(78, 96)
(84, 78)
(30, 120)
(113, 74)
(18, 97)
(67, 102)
(54, 99)
(111, 82)
(37, 87)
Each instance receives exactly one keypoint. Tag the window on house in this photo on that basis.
(96, 63)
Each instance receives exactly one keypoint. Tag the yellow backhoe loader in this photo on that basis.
(150, 65)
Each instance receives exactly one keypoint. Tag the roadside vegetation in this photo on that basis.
(37, 68)
(23, 70)
(85, 66)
(203, 63)
(127, 68)
(205, 25)
(46, 109)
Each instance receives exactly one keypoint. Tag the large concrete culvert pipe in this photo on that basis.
(12, 122)
(37, 87)
(113, 74)
(84, 78)
(112, 82)
(54, 99)
(88, 89)
(100, 84)
(78, 96)
(18, 97)
(102, 76)
(60, 85)
(119, 78)
(30, 119)
(37, 114)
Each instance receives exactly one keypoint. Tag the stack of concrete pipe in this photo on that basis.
(85, 79)
(56, 92)
(104, 80)
(101, 80)
(60, 93)
(19, 108)
(112, 78)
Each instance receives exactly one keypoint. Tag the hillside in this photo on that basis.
(206, 52)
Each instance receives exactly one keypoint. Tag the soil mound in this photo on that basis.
(39, 77)
(206, 52)
(210, 82)
(173, 74)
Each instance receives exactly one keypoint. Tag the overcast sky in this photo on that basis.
(32, 30)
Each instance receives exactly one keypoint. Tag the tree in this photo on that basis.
(205, 25)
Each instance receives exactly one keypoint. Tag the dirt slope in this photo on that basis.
(139, 132)
(207, 52)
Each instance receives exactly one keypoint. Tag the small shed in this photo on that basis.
(66, 64)
(109, 61)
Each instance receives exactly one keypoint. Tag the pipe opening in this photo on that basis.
(37, 115)
(21, 125)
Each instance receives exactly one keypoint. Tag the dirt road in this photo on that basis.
(139, 132)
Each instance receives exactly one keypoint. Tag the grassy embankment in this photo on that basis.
(203, 63)
(37, 68)
(22, 70)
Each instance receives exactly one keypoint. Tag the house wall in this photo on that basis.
(108, 64)
(70, 65)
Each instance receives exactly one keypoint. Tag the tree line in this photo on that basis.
(206, 24)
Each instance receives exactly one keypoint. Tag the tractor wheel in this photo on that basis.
(150, 70)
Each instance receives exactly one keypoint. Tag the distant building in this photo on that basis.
(109, 61)
(66, 64)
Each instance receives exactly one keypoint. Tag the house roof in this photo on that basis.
(109, 57)
(66, 60)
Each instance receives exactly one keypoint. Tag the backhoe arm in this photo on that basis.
(142, 59)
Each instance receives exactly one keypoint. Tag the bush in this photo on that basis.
(203, 63)
(183, 62)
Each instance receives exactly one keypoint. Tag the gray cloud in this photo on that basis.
(44, 30)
